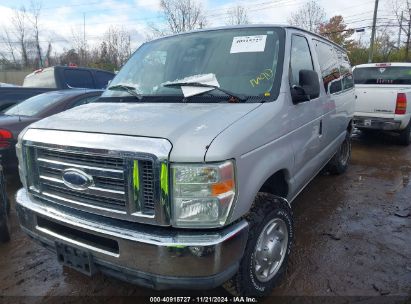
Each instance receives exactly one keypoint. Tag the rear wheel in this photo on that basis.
(268, 247)
(405, 135)
(339, 163)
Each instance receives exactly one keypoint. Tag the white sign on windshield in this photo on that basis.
(248, 44)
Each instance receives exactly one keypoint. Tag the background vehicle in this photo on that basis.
(191, 160)
(2, 84)
(383, 98)
(52, 79)
(16, 118)
(4, 209)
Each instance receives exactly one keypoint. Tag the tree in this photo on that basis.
(118, 45)
(35, 11)
(7, 40)
(310, 16)
(70, 57)
(48, 55)
(384, 44)
(402, 11)
(179, 16)
(358, 53)
(336, 30)
(19, 21)
(237, 15)
(80, 45)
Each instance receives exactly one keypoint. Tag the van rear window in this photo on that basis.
(41, 79)
(383, 75)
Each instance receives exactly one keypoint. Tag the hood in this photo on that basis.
(189, 127)
(15, 124)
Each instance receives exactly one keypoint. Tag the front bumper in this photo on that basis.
(155, 257)
(376, 123)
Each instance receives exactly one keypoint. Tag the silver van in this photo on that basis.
(183, 174)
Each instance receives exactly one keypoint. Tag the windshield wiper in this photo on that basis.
(126, 88)
(239, 97)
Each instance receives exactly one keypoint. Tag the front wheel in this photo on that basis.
(4, 210)
(268, 247)
(4, 229)
(339, 163)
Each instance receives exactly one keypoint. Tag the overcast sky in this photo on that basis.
(60, 18)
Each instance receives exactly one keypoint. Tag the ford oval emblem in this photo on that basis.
(77, 179)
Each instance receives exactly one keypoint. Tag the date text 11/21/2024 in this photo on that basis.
(203, 300)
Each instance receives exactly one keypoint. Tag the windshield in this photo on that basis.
(35, 105)
(383, 75)
(244, 61)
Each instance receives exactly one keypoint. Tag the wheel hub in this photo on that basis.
(345, 152)
(270, 249)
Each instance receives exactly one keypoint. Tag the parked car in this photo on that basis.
(2, 84)
(383, 98)
(184, 174)
(16, 118)
(4, 210)
(52, 79)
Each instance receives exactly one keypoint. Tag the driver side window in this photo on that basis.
(300, 58)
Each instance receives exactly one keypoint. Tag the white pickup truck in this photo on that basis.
(383, 93)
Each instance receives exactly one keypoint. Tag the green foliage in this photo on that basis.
(108, 66)
(336, 30)
(358, 55)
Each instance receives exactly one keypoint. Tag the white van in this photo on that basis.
(183, 174)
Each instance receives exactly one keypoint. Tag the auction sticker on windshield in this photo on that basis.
(248, 44)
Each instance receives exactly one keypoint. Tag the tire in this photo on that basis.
(4, 210)
(4, 230)
(267, 211)
(339, 163)
(405, 135)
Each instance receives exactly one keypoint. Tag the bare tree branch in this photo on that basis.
(7, 40)
(19, 21)
(237, 15)
(180, 16)
(35, 10)
(310, 16)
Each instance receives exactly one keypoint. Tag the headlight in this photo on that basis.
(202, 194)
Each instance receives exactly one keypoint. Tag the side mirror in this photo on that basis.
(309, 87)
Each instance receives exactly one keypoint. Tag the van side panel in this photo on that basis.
(337, 89)
(260, 143)
(306, 117)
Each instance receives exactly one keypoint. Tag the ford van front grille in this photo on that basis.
(108, 192)
(116, 176)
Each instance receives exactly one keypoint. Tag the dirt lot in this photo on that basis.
(353, 238)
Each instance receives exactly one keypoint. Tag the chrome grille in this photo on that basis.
(109, 192)
(125, 174)
(148, 186)
(81, 159)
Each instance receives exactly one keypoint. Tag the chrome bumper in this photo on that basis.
(155, 257)
(376, 123)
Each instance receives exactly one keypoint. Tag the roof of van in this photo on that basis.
(254, 26)
(383, 64)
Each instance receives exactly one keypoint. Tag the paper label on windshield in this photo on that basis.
(248, 44)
